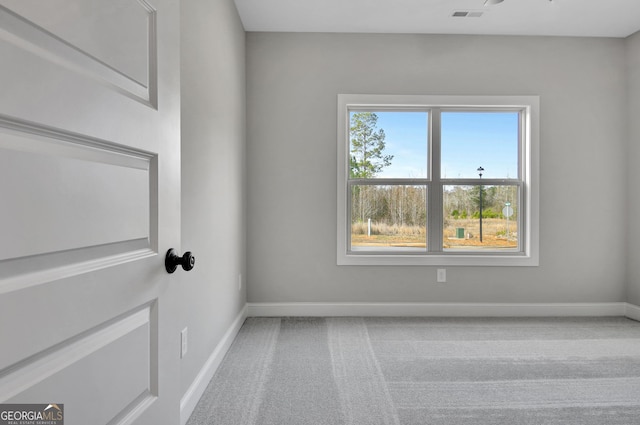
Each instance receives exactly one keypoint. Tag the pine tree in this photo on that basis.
(366, 157)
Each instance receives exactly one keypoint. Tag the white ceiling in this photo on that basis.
(586, 18)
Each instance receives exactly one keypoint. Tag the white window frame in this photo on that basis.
(528, 252)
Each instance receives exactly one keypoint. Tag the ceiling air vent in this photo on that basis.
(467, 14)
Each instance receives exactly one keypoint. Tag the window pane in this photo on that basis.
(479, 139)
(385, 218)
(461, 215)
(388, 144)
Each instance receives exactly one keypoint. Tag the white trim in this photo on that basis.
(529, 169)
(39, 277)
(439, 309)
(191, 397)
(632, 311)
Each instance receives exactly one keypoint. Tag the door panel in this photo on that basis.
(121, 54)
(112, 363)
(90, 202)
(67, 184)
(119, 30)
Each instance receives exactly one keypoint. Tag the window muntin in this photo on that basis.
(516, 145)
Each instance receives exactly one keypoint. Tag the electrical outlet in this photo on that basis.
(442, 275)
(183, 342)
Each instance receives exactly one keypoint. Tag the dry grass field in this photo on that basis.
(494, 234)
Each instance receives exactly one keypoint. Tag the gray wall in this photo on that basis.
(633, 58)
(213, 175)
(292, 83)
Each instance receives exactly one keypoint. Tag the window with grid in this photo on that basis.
(437, 180)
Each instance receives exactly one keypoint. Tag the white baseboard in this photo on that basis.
(632, 312)
(199, 385)
(438, 309)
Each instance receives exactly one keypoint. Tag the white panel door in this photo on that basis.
(89, 205)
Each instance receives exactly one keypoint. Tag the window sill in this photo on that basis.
(476, 260)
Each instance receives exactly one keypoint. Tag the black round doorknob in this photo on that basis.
(172, 261)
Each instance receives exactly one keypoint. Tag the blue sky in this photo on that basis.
(469, 140)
